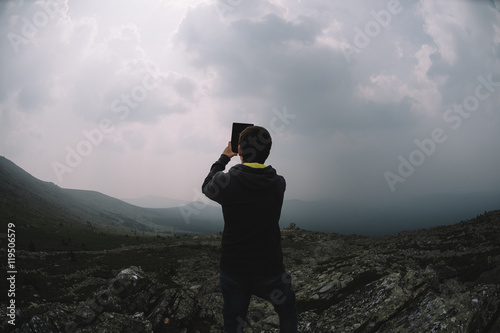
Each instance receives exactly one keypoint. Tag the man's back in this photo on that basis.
(251, 196)
(251, 200)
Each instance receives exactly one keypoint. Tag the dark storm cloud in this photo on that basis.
(171, 77)
(279, 61)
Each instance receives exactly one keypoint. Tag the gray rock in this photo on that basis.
(445, 279)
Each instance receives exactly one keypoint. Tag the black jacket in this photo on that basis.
(251, 200)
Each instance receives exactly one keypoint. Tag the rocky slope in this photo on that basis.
(444, 279)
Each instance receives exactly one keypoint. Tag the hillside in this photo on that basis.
(443, 279)
(37, 206)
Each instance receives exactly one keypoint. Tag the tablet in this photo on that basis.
(235, 135)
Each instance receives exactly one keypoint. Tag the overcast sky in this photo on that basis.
(365, 100)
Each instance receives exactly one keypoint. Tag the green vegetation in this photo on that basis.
(36, 233)
(55, 255)
(49, 236)
(47, 273)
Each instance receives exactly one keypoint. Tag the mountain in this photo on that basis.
(79, 269)
(31, 203)
(397, 215)
(444, 279)
(151, 201)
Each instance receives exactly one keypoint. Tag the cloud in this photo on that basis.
(464, 36)
(283, 61)
(171, 77)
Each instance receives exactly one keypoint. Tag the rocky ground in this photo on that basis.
(444, 279)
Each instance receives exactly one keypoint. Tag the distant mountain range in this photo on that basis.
(400, 215)
(152, 201)
(25, 198)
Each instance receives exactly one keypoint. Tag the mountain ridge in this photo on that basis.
(24, 197)
(49, 201)
(153, 201)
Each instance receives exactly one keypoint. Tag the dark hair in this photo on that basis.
(255, 143)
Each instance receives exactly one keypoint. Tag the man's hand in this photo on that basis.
(228, 152)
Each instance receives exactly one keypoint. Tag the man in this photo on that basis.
(251, 196)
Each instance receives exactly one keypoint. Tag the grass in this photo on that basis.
(42, 234)
(50, 274)
(54, 256)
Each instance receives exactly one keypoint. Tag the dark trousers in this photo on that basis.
(237, 290)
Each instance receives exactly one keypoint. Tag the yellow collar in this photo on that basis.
(255, 165)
